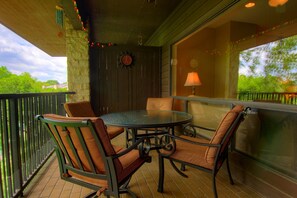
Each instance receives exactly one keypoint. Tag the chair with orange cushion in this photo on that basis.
(86, 156)
(84, 109)
(204, 154)
(164, 104)
(159, 104)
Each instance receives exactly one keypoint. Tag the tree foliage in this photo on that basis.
(51, 82)
(259, 84)
(271, 67)
(23, 83)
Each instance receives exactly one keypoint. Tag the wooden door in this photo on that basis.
(115, 87)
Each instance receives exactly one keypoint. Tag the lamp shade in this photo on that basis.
(193, 79)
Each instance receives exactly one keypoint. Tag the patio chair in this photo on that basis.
(86, 156)
(159, 104)
(204, 154)
(155, 104)
(84, 109)
(164, 104)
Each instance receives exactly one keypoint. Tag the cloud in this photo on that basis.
(19, 56)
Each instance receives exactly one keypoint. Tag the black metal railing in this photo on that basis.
(24, 145)
(275, 97)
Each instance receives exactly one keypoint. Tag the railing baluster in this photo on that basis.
(28, 139)
(15, 145)
(278, 97)
(24, 145)
(22, 137)
(2, 154)
(6, 157)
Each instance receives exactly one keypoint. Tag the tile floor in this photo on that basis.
(144, 183)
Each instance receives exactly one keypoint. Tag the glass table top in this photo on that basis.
(147, 119)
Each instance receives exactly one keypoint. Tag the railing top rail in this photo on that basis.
(11, 96)
(227, 101)
(251, 92)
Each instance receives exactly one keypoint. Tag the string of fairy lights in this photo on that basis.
(258, 34)
(109, 44)
(78, 15)
(91, 43)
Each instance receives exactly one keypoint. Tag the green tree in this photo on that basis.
(4, 72)
(51, 82)
(23, 83)
(259, 84)
(270, 67)
(282, 60)
(250, 60)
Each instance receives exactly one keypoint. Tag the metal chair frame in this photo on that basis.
(115, 187)
(221, 153)
(151, 133)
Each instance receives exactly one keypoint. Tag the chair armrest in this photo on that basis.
(191, 130)
(167, 143)
(173, 137)
(204, 128)
(142, 144)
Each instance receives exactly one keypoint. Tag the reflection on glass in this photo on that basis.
(259, 43)
(271, 138)
(247, 54)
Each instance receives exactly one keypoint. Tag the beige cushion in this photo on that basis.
(159, 104)
(191, 153)
(222, 129)
(199, 155)
(79, 109)
(84, 109)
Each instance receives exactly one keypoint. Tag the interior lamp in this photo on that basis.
(193, 80)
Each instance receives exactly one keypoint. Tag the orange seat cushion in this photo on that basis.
(79, 109)
(124, 165)
(191, 153)
(114, 131)
(159, 104)
(222, 129)
(84, 109)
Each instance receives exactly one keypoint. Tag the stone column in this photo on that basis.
(78, 70)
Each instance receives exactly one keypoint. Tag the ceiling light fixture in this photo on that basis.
(250, 4)
(276, 3)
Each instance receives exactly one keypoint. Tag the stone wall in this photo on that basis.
(78, 69)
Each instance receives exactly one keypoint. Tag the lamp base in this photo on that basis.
(193, 90)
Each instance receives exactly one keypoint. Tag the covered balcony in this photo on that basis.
(120, 53)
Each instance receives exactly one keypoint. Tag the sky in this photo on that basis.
(18, 55)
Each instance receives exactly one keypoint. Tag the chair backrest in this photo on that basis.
(159, 104)
(79, 109)
(224, 132)
(82, 147)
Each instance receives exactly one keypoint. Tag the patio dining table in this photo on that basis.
(147, 119)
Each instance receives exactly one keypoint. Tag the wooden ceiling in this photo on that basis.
(35, 22)
(127, 22)
(116, 21)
